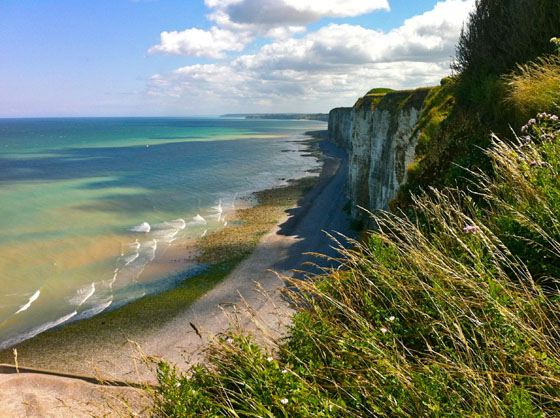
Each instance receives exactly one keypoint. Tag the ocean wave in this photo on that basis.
(36, 331)
(130, 258)
(83, 294)
(218, 208)
(96, 310)
(199, 219)
(165, 234)
(130, 267)
(143, 227)
(28, 304)
(134, 245)
(179, 224)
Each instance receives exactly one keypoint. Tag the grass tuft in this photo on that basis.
(535, 86)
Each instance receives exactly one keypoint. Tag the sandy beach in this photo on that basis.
(182, 338)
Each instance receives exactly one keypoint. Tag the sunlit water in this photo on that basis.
(90, 207)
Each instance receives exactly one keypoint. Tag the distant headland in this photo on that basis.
(293, 116)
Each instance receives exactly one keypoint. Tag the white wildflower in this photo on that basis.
(284, 371)
(283, 401)
(383, 330)
(269, 359)
(391, 318)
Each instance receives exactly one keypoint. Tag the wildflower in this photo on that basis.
(525, 139)
(178, 384)
(189, 376)
(524, 128)
(269, 359)
(229, 340)
(391, 318)
(384, 330)
(532, 121)
(470, 228)
(284, 371)
(284, 401)
(554, 118)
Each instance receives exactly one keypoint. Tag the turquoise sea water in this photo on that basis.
(91, 209)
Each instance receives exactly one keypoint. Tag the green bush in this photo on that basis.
(503, 33)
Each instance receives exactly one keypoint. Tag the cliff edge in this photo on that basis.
(380, 133)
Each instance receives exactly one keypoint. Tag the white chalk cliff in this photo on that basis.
(380, 135)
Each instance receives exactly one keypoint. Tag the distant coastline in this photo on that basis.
(323, 117)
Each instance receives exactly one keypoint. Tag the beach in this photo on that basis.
(177, 327)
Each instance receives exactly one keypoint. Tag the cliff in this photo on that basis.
(380, 134)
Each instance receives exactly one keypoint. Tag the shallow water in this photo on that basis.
(89, 208)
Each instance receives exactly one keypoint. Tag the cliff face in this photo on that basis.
(340, 126)
(380, 135)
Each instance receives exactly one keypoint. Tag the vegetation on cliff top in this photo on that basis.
(508, 70)
(451, 307)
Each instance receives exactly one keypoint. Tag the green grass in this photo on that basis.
(440, 316)
(379, 90)
(535, 86)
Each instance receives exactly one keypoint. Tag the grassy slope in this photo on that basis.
(438, 318)
(449, 309)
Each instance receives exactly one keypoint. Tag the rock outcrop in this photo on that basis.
(380, 134)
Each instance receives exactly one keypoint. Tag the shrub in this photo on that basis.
(503, 33)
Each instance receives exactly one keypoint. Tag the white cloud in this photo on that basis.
(430, 37)
(290, 12)
(283, 18)
(241, 21)
(200, 43)
(327, 68)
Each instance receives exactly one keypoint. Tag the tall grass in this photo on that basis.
(440, 316)
(535, 86)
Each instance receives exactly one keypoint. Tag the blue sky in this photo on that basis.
(203, 57)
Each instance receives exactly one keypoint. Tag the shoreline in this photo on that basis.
(101, 345)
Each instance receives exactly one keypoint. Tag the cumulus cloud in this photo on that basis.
(326, 68)
(430, 37)
(241, 21)
(289, 12)
(207, 88)
(201, 43)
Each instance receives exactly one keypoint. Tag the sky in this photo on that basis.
(67, 58)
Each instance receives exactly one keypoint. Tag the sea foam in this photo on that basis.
(143, 227)
(83, 294)
(36, 331)
(28, 304)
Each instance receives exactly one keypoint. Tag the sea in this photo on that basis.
(98, 212)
